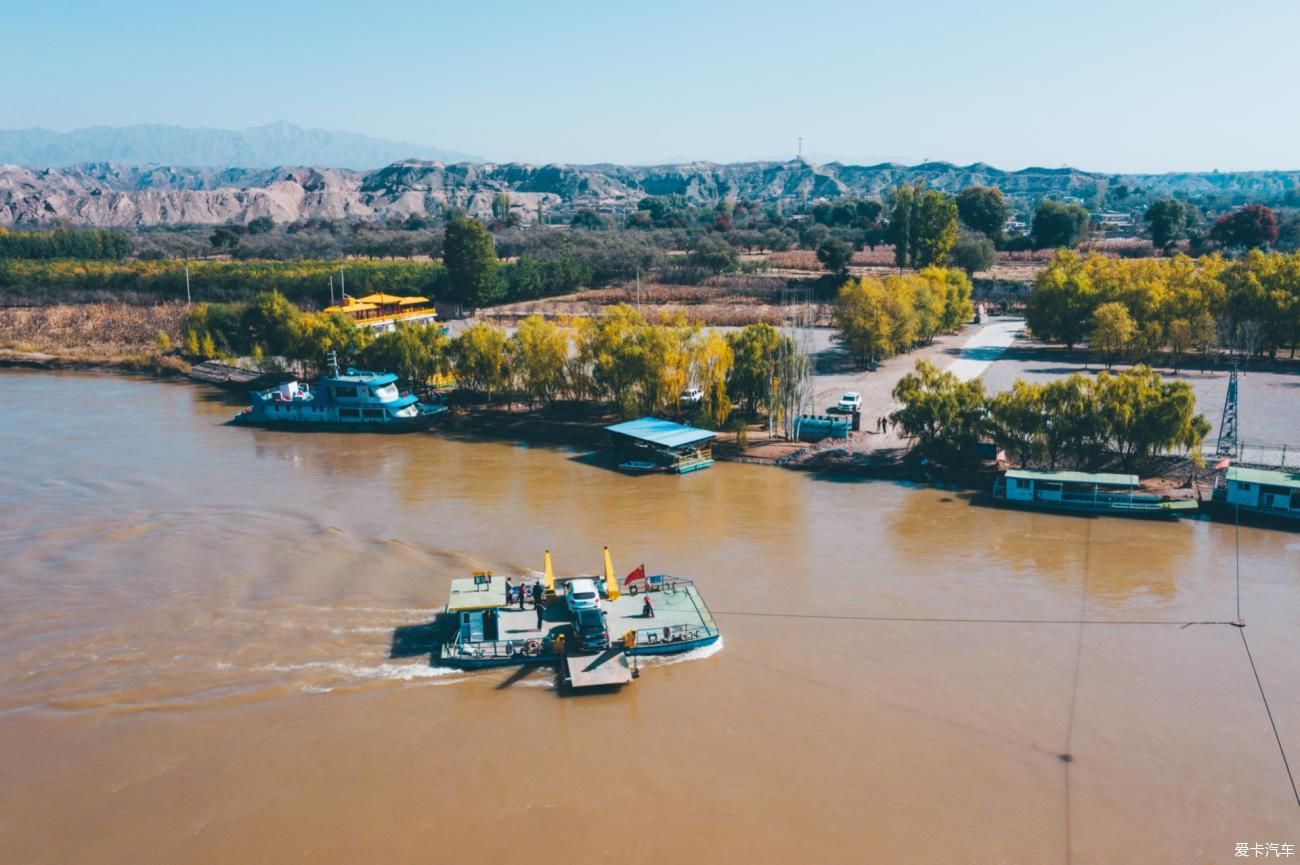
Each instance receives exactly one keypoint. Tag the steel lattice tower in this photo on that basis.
(1228, 424)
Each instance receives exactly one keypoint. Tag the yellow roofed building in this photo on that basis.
(381, 312)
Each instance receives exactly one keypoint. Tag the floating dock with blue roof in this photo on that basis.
(653, 441)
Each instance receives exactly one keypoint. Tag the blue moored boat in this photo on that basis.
(356, 401)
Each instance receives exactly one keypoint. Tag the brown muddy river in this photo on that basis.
(197, 662)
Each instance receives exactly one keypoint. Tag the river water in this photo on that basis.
(210, 652)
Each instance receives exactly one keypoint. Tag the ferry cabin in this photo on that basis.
(1262, 491)
(1093, 492)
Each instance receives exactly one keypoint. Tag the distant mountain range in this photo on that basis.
(106, 194)
(259, 147)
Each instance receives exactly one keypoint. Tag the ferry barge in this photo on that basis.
(1084, 492)
(592, 628)
(355, 401)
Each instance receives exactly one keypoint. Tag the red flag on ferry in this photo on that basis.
(638, 574)
(1222, 464)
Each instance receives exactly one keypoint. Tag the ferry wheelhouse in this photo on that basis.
(1084, 492)
(487, 626)
(356, 400)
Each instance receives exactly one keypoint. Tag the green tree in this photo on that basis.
(501, 206)
(973, 253)
(272, 323)
(324, 332)
(1112, 330)
(1146, 414)
(1180, 340)
(261, 225)
(538, 355)
(1167, 222)
(714, 254)
(983, 209)
(225, 237)
(1058, 225)
(1072, 424)
(863, 317)
(1205, 334)
(479, 355)
(588, 219)
(471, 263)
(416, 352)
(900, 222)
(754, 349)
(1061, 304)
(933, 228)
(1017, 420)
(711, 367)
(835, 255)
(944, 415)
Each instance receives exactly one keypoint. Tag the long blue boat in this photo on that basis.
(357, 400)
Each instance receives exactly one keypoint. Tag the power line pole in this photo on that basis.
(187, 284)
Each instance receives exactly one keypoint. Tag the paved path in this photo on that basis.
(985, 346)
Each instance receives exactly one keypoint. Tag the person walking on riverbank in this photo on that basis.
(647, 609)
(539, 594)
(541, 613)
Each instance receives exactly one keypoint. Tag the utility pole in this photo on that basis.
(343, 282)
(331, 289)
(638, 289)
(187, 283)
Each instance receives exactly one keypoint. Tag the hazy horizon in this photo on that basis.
(1125, 89)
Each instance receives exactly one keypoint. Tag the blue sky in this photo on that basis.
(1144, 85)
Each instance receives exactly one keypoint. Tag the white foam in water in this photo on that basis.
(693, 655)
(395, 672)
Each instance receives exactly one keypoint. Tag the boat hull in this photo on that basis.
(674, 648)
(395, 425)
(1097, 510)
(1224, 512)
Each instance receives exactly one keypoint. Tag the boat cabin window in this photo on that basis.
(373, 413)
(349, 412)
(1021, 483)
(385, 393)
(345, 391)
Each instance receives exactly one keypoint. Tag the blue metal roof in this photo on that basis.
(663, 433)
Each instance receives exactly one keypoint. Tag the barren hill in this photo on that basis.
(107, 194)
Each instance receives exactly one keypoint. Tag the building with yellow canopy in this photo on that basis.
(381, 312)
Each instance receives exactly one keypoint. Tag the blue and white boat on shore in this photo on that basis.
(357, 400)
